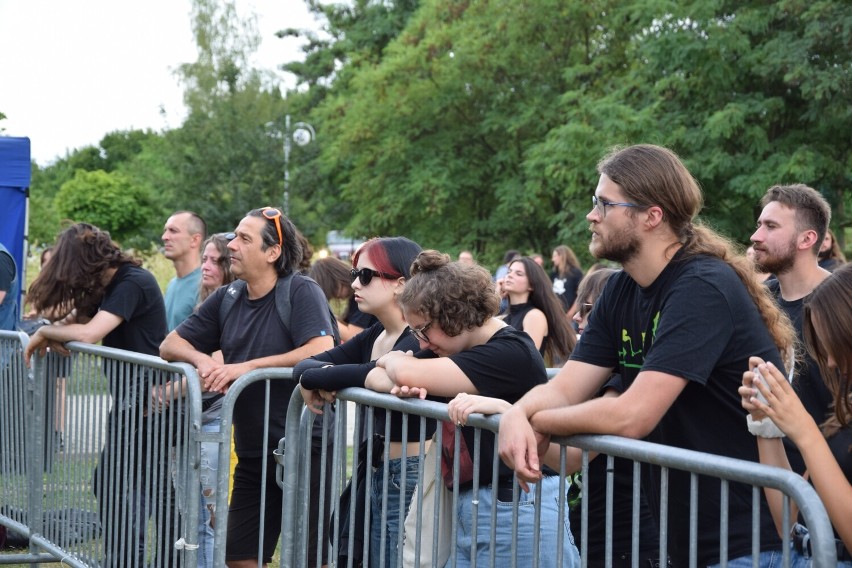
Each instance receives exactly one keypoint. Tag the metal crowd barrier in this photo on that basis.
(296, 473)
(37, 480)
(92, 471)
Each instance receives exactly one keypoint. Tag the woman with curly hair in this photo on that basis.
(450, 308)
(106, 296)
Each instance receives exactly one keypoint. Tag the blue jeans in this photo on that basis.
(768, 559)
(548, 530)
(208, 469)
(393, 521)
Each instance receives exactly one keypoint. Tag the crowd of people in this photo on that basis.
(679, 338)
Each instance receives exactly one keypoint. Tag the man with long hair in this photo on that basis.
(265, 250)
(678, 323)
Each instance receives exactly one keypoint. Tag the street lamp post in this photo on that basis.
(303, 134)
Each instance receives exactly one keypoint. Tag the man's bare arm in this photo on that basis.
(519, 443)
(634, 414)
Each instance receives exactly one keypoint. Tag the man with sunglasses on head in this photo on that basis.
(251, 335)
(678, 324)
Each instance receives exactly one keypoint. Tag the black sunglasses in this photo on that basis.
(365, 275)
(585, 309)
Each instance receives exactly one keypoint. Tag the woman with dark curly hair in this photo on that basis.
(108, 297)
(450, 308)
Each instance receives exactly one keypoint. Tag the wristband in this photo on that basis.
(765, 428)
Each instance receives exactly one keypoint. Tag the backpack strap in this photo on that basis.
(282, 302)
(234, 291)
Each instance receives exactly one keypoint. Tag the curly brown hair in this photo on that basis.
(74, 277)
(456, 296)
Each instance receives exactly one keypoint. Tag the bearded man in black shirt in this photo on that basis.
(678, 324)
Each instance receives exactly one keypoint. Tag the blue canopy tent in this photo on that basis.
(14, 194)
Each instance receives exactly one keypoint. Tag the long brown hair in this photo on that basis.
(560, 338)
(568, 260)
(652, 175)
(221, 243)
(830, 307)
(74, 277)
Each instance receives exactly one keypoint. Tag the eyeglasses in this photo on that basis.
(365, 275)
(584, 310)
(274, 214)
(601, 204)
(420, 332)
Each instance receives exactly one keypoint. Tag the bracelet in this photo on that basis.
(764, 428)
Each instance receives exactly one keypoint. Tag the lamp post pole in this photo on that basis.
(303, 134)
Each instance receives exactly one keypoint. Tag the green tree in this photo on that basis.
(109, 201)
(224, 160)
(440, 128)
(753, 94)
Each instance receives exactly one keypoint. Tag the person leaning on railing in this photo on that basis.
(827, 448)
(110, 298)
(381, 269)
(450, 308)
(678, 324)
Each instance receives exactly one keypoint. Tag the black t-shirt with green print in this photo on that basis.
(696, 321)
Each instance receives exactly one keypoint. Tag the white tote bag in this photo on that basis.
(434, 492)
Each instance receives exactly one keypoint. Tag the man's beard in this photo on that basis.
(778, 263)
(620, 246)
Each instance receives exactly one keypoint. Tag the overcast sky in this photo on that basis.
(73, 70)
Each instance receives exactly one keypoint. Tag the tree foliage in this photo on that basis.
(107, 200)
(478, 124)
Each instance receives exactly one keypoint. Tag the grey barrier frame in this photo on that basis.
(34, 528)
(223, 438)
(697, 463)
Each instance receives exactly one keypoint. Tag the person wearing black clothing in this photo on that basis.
(264, 250)
(678, 324)
(789, 233)
(566, 276)
(831, 256)
(381, 268)
(450, 308)
(111, 299)
(535, 309)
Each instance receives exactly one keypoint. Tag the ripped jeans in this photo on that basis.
(208, 468)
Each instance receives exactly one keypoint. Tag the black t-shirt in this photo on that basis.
(506, 367)
(595, 485)
(695, 321)
(134, 295)
(808, 382)
(251, 330)
(515, 318)
(352, 362)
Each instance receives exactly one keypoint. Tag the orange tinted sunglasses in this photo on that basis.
(274, 214)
